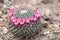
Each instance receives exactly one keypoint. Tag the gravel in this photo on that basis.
(50, 19)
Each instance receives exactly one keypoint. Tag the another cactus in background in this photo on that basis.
(24, 20)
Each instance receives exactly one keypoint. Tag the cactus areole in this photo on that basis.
(19, 15)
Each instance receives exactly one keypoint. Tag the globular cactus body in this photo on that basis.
(24, 20)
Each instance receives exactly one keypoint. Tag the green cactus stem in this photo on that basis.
(24, 21)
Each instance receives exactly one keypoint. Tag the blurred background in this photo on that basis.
(50, 18)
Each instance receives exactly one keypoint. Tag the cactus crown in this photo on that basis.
(23, 15)
(24, 12)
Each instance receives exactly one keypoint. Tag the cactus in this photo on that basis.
(24, 20)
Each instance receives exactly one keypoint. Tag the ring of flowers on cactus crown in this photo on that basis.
(20, 21)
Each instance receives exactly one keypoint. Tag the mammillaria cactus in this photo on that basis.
(24, 20)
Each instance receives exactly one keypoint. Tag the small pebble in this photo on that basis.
(58, 18)
(4, 6)
(1, 19)
(56, 31)
(37, 38)
(46, 32)
(50, 27)
(4, 30)
(9, 35)
(1, 39)
(47, 12)
(33, 2)
(4, 16)
(29, 5)
(0, 12)
(55, 26)
(39, 1)
(52, 36)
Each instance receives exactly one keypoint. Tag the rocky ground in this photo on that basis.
(50, 19)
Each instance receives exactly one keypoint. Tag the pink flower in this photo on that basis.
(31, 17)
(36, 11)
(10, 14)
(37, 15)
(14, 20)
(19, 19)
(13, 17)
(24, 19)
(11, 10)
(21, 22)
(16, 23)
(35, 18)
(27, 20)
